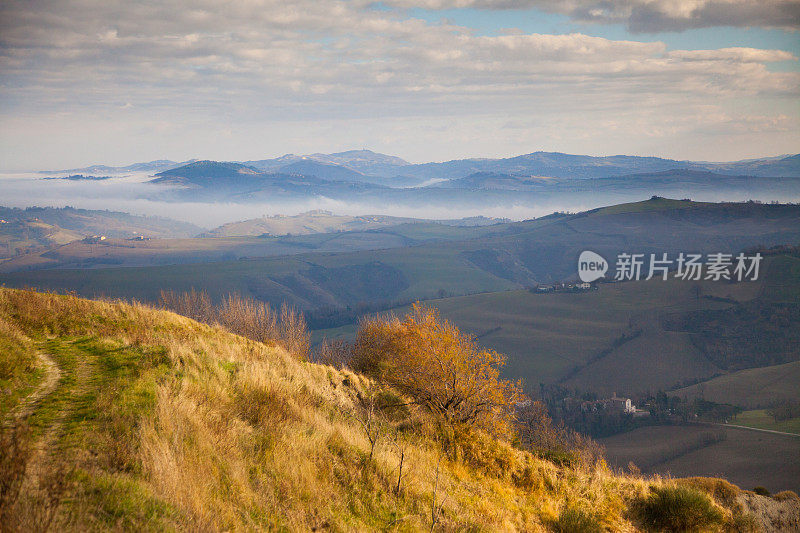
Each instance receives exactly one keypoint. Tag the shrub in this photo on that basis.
(785, 495)
(430, 360)
(677, 508)
(246, 317)
(572, 520)
(721, 490)
(336, 353)
(761, 491)
(557, 443)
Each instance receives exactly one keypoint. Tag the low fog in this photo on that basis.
(131, 194)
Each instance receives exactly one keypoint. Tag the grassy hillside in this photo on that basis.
(306, 281)
(145, 420)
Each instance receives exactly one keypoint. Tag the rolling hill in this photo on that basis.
(144, 420)
(462, 260)
(36, 229)
(614, 339)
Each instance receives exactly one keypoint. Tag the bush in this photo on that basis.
(441, 368)
(677, 508)
(721, 490)
(761, 491)
(555, 442)
(246, 317)
(572, 520)
(785, 495)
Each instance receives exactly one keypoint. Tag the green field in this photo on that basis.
(759, 418)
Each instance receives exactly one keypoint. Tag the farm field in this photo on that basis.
(751, 388)
(744, 457)
(759, 418)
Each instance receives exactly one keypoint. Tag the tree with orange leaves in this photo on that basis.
(430, 360)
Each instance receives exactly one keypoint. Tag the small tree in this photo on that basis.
(441, 368)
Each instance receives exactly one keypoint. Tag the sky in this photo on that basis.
(116, 81)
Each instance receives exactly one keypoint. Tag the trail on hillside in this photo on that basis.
(45, 447)
(48, 465)
(52, 375)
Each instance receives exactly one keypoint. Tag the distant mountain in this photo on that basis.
(783, 166)
(201, 173)
(327, 171)
(212, 181)
(217, 181)
(558, 165)
(373, 167)
(354, 165)
(151, 166)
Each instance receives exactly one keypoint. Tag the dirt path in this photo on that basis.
(759, 429)
(45, 448)
(52, 374)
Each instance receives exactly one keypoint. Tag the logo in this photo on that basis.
(591, 266)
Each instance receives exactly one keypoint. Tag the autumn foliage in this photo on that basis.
(431, 361)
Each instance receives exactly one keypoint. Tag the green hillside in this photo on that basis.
(145, 420)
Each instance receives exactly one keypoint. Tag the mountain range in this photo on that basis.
(368, 166)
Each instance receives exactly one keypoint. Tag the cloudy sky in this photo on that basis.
(120, 81)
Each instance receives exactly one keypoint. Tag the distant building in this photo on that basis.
(610, 405)
(620, 405)
(94, 239)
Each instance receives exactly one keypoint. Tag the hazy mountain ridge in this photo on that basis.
(233, 182)
(365, 165)
(150, 166)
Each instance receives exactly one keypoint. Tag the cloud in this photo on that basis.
(124, 74)
(648, 15)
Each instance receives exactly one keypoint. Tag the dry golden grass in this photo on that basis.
(234, 434)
